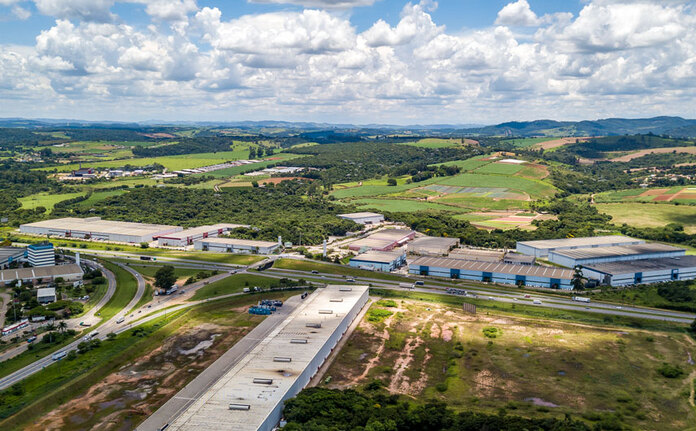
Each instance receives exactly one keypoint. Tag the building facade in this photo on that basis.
(590, 256)
(542, 248)
(46, 295)
(238, 246)
(524, 275)
(643, 271)
(41, 274)
(189, 236)
(41, 254)
(363, 217)
(379, 261)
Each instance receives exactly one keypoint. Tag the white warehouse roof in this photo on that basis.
(360, 215)
(495, 267)
(592, 241)
(264, 378)
(238, 242)
(96, 224)
(199, 230)
(626, 250)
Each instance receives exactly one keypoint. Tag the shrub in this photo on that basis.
(491, 332)
(386, 303)
(377, 315)
(670, 371)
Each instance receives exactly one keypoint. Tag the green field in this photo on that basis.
(527, 142)
(402, 205)
(308, 265)
(46, 200)
(529, 367)
(233, 284)
(535, 189)
(500, 169)
(468, 164)
(434, 143)
(126, 287)
(376, 188)
(651, 215)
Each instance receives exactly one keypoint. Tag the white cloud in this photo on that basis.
(20, 12)
(327, 4)
(88, 10)
(517, 14)
(615, 58)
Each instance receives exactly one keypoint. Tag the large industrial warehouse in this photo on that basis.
(189, 236)
(363, 217)
(96, 228)
(432, 246)
(589, 256)
(644, 271)
(527, 275)
(384, 240)
(250, 396)
(379, 260)
(542, 248)
(41, 274)
(239, 246)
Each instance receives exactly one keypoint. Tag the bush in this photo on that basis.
(441, 387)
(670, 371)
(491, 332)
(386, 303)
(377, 315)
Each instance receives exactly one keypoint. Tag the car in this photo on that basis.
(514, 299)
(314, 271)
(149, 306)
(527, 296)
(491, 298)
(536, 302)
(618, 307)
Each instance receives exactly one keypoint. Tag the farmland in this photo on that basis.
(46, 200)
(651, 215)
(534, 368)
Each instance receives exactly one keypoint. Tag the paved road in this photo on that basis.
(108, 326)
(191, 392)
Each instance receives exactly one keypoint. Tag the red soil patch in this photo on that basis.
(629, 157)
(663, 198)
(559, 142)
(686, 196)
(655, 192)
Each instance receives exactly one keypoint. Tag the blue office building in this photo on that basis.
(41, 254)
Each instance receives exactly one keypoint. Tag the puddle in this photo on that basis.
(539, 402)
(200, 346)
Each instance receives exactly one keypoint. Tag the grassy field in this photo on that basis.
(435, 143)
(308, 265)
(99, 196)
(126, 287)
(651, 215)
(500, 169)
(535, 189)
(469, 164)
(528, 367)
(402, 205)
(233, 284)
(527, 142)
(46, 200)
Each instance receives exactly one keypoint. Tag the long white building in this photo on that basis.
(250, 396)
(644, 271)
(41, 274)
(238, 246)
(96, 228)
(590, 256)
(541, 248)
(189, 236)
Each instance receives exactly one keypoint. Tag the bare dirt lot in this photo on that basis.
(532, 367)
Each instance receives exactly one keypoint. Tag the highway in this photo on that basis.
(105, 328)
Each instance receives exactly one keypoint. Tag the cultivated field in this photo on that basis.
(555, 143)
(678, 194)
(641, 153)
(528, 367)
(651, 215)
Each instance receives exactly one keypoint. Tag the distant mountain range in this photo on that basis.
(672, 126)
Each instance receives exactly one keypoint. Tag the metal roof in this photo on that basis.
(621, 250)
(396, 235)
(239, 242)
(96, 224)
(434, 242)
(199, 230)
(46, 291)
(644, 265)
(245, 396)
(13, 252)
(360, 215)
(40, 272)
(378, 256)
(581, 242)
(501, 268)
(477, 255)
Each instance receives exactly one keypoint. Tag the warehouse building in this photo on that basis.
(542, 248)
(46, 295)
(41, 254)
(234, 245)
(643, 271)
(96, 228)
(384, 240)
(9, 255)
(379, 260)
(518, 259)
(525, 275)
(41, 274)
(432, 246)
(476, 255)
(363, 217)
(251, 395)
(590, 256)
(189, 236)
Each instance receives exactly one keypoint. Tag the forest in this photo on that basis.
(318, 409)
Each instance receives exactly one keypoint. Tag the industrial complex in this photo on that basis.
(432, 246)
(524, 275)
(41, 274)
(543, 247)
(383, 240)
(642, 271)
(250, 396)
(589, 256)
(233, 245)
(379, 260)
(189, 236)
(363, 217)
(96, 228)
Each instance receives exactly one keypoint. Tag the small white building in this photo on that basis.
(379, 260)
(46, 295)
(363, 217)
(234, 245)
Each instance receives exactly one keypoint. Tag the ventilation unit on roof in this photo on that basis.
(261, 381)
(298, 341)
(325, 311)
(345, 289)
(312, 325)
(282, 359)
(240, 407)
(336, 300)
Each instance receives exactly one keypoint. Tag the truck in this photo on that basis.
(120, 320)
(581, 299)
(536, 302)
(247, 290)
(145, 258)
(406, 285)
(59, 355)
(31, 339)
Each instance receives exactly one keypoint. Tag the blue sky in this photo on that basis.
(389, 61)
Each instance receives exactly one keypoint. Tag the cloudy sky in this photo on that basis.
(359, 61)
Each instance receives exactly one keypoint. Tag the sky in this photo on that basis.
(347, 61)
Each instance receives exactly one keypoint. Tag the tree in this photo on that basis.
(578, 281)
(692, 328)
(391, 182)
(144, 245)
(165, 277)
(252, 152)
(62, 326)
